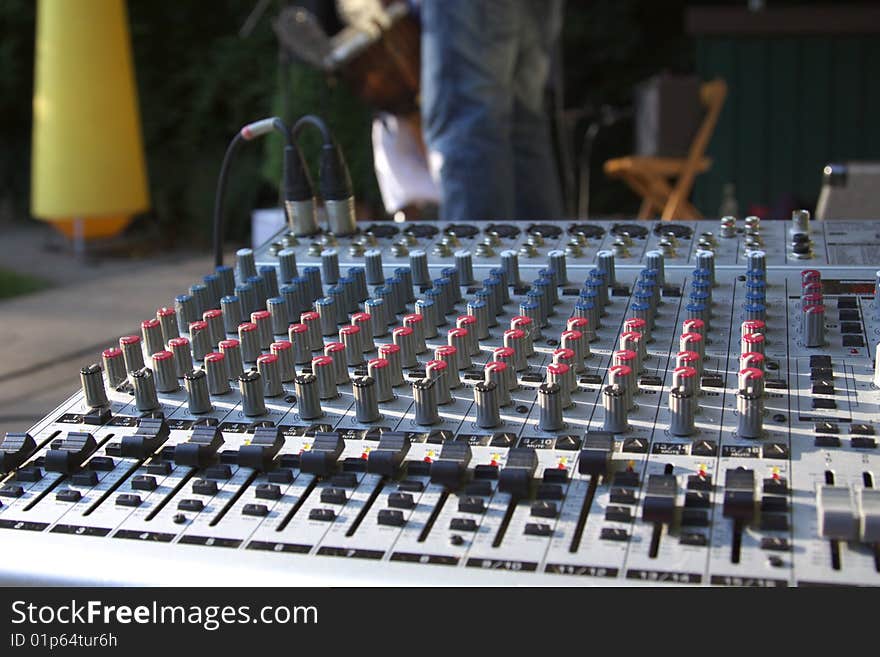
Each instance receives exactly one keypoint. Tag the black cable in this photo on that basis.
(242, 135)
(218, 198)
(317, 122)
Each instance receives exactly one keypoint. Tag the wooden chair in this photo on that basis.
(665, 183)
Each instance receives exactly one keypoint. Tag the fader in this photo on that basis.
(531, 403)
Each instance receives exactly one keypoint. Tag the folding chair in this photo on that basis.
(665, 183)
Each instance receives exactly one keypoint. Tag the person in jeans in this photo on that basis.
(485, 65)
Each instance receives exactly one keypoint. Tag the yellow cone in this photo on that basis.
(88, 154)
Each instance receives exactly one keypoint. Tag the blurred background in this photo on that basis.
(801, 92)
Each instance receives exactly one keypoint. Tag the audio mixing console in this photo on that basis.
(527, 403)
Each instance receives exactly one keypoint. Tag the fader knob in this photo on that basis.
(250, 385)
(425, 402)
(308, 404)
(197, 398)
(145, 398)
(550, 407)
(92, 380)
(365, 399)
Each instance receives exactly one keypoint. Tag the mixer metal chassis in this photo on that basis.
(597, 535)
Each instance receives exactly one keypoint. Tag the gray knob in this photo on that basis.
(212, 282)
(557, 264)
(405, 339)
(437, 371)
(750, 403)
(284, 350)
(756, 261)
(365, 400)
(458, 338)
(614, 404)
(515, 339)
(706, 260)
(165, 371)
(605, 264)
(655, 260)
(244, 262)
(418, 264)
(249, 340)
(486, 401)
(391, 353)
(550, 407)
(365, 323)
(270, 280)
(378, 370)
(246, 294)
(330, 266)
(507, 356)
(525, 324)
(217, 373)
(316, 285)
(270, 371)
(298, 335)
(185, 310)
(755, 342)
(373, 265)
(214, 319)
(378, 316)
(496, 372)
(230, 306)
(510, 265)
(469, 323)
(350, 337)
(145, 398)
(813, 325)
(575, 341)
(326, 309)
(250, 385)
(465, 267)
(480, 311)
(532, 310)
(683, 401)
(625, 377)
(287, 265)
(114, 365)
(428, 311)
(199, 293)
(416, 323)
(168, 323)
(227, 279)
(425, 398)
(449, 355)
(336, 351)
(131, 352)
(563, 376)
(197, 398)
(231, 349)
(325, 371)
(308, 404)
(151, 331)
(279, 318)
(312, 320)
(200, 339)
(92, 379)
(263, 321)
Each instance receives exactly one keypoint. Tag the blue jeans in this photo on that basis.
(485, 64)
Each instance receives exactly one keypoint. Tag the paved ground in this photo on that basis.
(47, 336)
